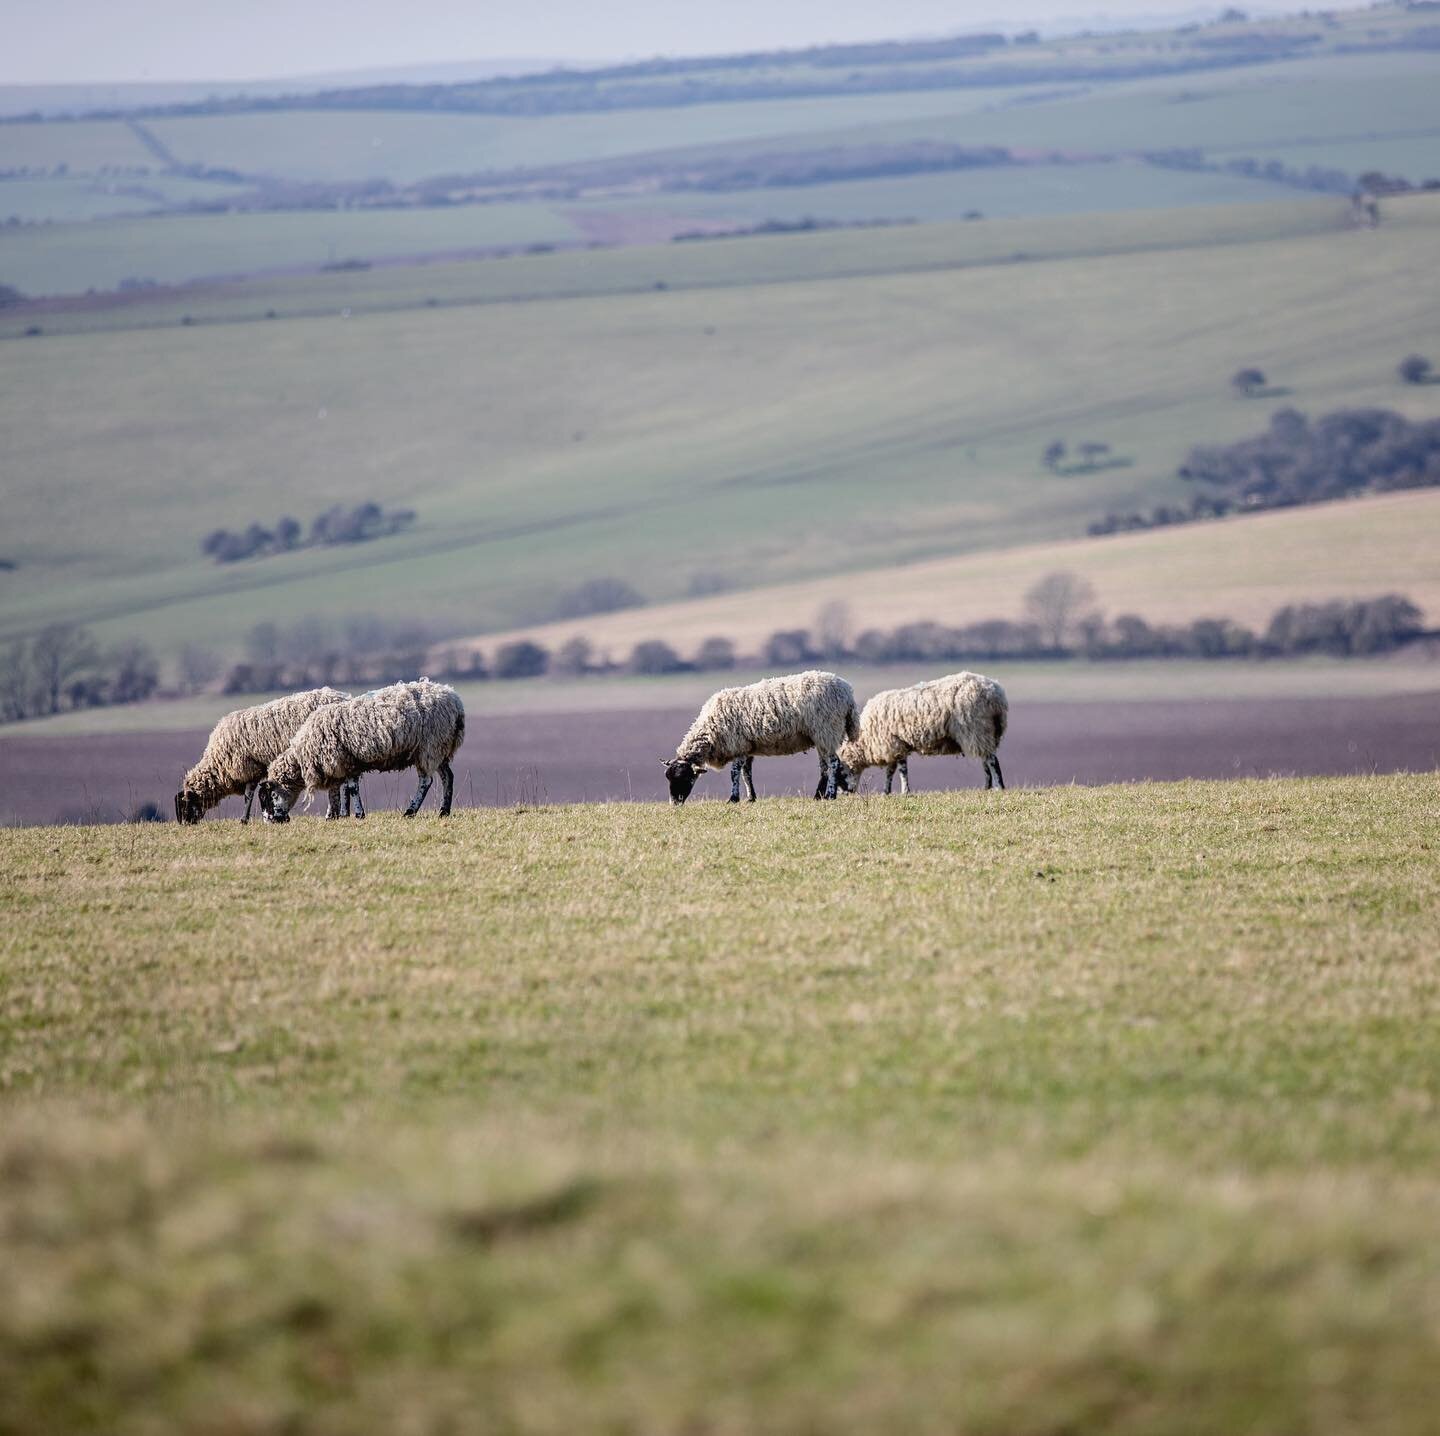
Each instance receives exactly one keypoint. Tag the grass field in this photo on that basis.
(400, 146)
(758, 260)
(180, 249)
(1040, 1112)
(738, 421)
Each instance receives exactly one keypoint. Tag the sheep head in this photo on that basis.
(189, 806)
(275, 801)
(681, 774)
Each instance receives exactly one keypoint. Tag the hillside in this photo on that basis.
(761, 410)
(949, 128)
(494, 1123)
(1242, 568)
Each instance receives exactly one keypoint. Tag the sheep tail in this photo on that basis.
(852, 723)
(999, 717)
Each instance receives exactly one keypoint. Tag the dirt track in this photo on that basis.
(616, 756)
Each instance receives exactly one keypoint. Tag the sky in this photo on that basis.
(113, 41)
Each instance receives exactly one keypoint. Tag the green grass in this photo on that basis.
(401, 146)
(186, 248)
(1333, 99)
(176, 249)
(1021, 191)
(74, 198)
(1051, 1111)
(83, 146)
(772, 429)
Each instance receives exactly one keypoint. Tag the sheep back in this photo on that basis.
(772, 718)
(963, 714)
(244, 743)
(417, 725)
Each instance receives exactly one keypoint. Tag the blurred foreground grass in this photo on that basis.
(1038, 1112)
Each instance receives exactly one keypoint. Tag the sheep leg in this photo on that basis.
(249, 798)
(820, 786)
(890, 777)
(355, 793)
(992, 765)
(832, 775)
(425, 780)
(745, 773)
(904, 766)
(735, 769)
(332, 805)
(447, 789)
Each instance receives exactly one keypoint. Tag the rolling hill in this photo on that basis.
(1242, 568)
(240, 185)
(764, 410)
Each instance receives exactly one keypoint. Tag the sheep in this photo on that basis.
(771, 718)
(962, 713)
(418, 724)
(242, 746)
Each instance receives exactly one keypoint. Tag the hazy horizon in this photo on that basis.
(58, 42)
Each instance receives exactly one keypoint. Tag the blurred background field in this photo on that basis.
(738, 339)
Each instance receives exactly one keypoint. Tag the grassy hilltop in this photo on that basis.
(780, 409)
(1044, 1111)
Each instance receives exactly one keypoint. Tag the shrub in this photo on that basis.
(598, 595)
(715, 653)
(655, 656)
(787, 647)
(521, 659)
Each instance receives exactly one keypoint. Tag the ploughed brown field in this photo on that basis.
(616, 756)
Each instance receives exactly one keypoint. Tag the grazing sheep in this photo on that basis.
(770, 719)
(962, 713)
(242, 746)
(407, 725)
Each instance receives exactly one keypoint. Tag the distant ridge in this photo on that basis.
(77, 99)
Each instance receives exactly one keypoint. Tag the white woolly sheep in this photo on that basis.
(962, 713)
(241, 748)
(769, 719)
(407, 725)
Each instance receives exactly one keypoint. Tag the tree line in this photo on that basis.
(1300, 461)
(63, 668)
(337, 525)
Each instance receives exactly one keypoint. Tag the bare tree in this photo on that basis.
(17, 684)
(1057, 604)
(198, 667)
(833, 628)
(715, 653)
(1054, 455)
(262, 643)
(573, 657)
(58, 654)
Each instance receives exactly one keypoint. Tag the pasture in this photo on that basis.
(745, 419)
(1040, 1111)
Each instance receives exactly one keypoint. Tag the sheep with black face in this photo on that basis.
(242, 747)
(416, 725)
(769, 719)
